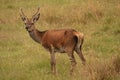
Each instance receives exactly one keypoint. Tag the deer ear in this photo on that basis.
(23, 18)
(22, 15)
(36, 17)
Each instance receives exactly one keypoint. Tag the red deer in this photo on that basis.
(63, 40)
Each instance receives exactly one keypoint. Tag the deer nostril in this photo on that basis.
(26, 27)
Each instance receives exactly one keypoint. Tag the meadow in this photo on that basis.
(23, 59)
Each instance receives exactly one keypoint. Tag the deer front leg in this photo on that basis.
(53, 61)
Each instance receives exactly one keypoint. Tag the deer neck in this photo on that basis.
(37, 35)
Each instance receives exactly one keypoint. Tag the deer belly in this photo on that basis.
(54, 48)
(60, 50)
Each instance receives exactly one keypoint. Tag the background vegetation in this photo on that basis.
(23, 59)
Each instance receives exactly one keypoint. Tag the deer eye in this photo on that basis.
(25, 23)
(32, 23)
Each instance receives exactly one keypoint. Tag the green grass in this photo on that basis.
(23, 59)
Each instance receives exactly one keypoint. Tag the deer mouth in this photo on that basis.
(29, 30)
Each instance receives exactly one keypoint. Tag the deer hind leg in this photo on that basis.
(73, 61)
(79, 52)
(53, 61)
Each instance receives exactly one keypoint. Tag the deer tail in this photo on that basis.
(80, 40)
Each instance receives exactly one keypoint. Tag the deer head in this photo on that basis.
(29, 22)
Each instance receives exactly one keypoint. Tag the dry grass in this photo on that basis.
(71, 15)
(102, 69)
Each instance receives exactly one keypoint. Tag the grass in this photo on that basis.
(22, 58)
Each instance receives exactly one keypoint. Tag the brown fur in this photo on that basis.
(63, 40)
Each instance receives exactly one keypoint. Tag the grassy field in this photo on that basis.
(23, 59)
